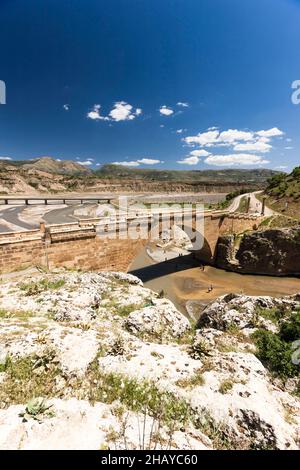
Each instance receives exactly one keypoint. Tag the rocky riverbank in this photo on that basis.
(275, 252)
(95, 360)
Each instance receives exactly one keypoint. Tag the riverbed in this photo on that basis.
(188, 286)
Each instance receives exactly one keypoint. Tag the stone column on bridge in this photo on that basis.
(248, 204)
(43, 227)
(263, 207)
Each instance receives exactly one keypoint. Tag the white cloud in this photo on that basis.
(203, 139)
(5, 158)
(132, 163)
(183, 104)
(148, 161)
(95, 114)
(66, 107)
(288, 140)
(123, 111)
(240, 141)
(234, 135)
(235, 160)
(85, 162)
(189, 161)
(274, 132)
(166, 111)
(258, 146)
(214, 137)
(141, 161)
(280, 167)
(179, 131)
(289, 148)
(199, 153)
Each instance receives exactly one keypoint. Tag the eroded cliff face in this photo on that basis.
(275, 252)
(36, 181)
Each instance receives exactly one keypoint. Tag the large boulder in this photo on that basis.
(160, 320)
(242, 311)
(275, 252)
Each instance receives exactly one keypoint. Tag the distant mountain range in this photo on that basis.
(232, 175)
(47, 174)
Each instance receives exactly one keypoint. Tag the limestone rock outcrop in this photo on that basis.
(275, 252)
(83, 355)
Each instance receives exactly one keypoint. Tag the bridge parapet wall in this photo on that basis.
(77, 245)
(70, 247)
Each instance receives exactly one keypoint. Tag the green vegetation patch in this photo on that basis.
(275, 350)
(233, 195)
(137, 396)
(28, 377)
(122, 310)
(273, 314)
(195, 380)
(35, 288)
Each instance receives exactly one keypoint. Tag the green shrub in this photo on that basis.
(276, 180)
(275, 353)
(296, 172)
(37, 408)
(290, 330)
(273, 314)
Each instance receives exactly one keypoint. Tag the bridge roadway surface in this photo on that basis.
(10, 219)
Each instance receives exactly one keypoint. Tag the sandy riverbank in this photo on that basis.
(190, 284)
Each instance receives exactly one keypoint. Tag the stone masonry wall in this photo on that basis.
(75, 246)
(79, 249)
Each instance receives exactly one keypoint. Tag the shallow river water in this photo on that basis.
(184, 282)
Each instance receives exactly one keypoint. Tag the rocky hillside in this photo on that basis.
(46, 174)
(41, 175)
(58, 167)
(95, 360)
(272, 251)
(283, 193)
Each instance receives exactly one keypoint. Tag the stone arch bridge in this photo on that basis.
(100, 244)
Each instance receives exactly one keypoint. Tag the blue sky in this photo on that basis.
(99, 81)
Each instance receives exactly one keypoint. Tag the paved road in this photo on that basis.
(10, 215)
(255, 204)
(60, 216)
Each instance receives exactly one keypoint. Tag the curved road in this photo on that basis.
(60, 216)
(255, 204)
(10, 220)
